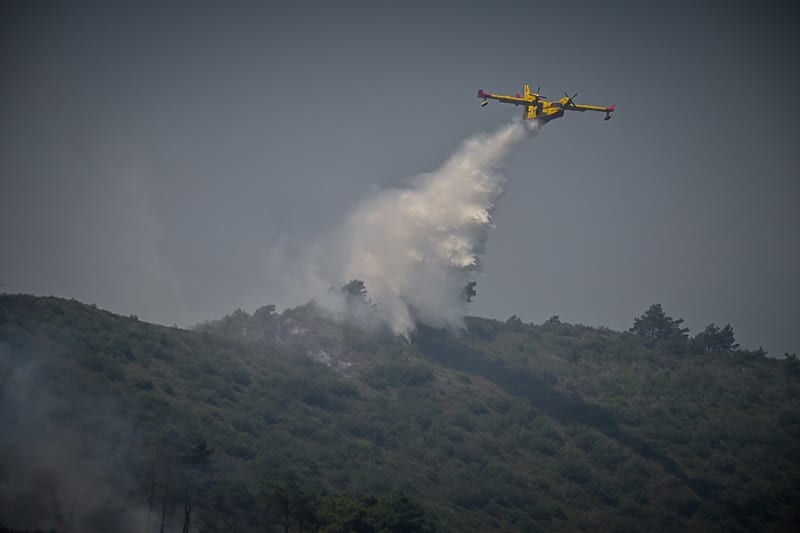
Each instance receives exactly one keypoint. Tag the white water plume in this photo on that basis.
(416, 248)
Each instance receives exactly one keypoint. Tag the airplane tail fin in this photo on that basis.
(526, 90)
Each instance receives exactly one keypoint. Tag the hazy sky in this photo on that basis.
(156, 159)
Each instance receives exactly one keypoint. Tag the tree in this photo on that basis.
(196, 461)
(265, 323)
(280, 501)
(304, 509)
(714, 339)
(340, 513)
(514, 322)
(152, 484)
(469, 291)
(295, 508)
(396, 513)
(289, 501)
(656, 325)
(791, 372)
(355, 292)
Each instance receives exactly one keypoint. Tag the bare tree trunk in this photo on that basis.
(187, 511)
(57, 513)
(164, 508)
(152, 487)
(74, 503)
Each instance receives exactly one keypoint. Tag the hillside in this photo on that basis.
(265, 420)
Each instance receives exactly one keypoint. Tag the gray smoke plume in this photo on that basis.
(63, 456)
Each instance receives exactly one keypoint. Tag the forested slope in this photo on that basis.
(273, 420)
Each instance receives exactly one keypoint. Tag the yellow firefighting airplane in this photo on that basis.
(536, 107)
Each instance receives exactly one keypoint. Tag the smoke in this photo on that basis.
(417, 247)
(64, 456)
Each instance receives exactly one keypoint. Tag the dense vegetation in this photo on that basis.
(293, 421)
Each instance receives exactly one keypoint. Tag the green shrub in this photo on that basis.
(396, 374)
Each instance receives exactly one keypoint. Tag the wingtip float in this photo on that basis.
(537, 107)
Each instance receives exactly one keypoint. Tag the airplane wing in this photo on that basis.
(584, 107)
(567, 104)
(503, 98)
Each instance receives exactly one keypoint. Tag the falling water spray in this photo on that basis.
(416, 248)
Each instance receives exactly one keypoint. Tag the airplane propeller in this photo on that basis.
(570, 102)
